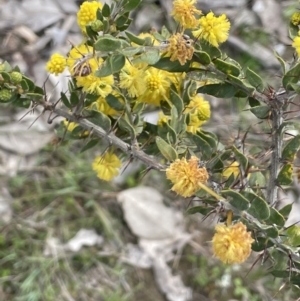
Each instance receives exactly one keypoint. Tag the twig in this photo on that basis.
(111, 138)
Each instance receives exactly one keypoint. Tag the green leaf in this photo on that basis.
(150, 57)
(246, 88)
(121, 21)
(224, 90)
(275, 218)
(126, 126)
(138, 107)
(202, 145)
(74, 99)
(261, 112)
(90, 145)
(201, 57)
(24, 85)
(293, 30)
(292, 76)
(261, 243)
(236, 199)
(210, 138)
(255, 80)
(204, 210)
(281, 61)
(98, 118)
(34, 96)
(114, 102)
(259, 207)
(5, 76)
(131, 5)
(291, 149)
(106, 10)
(213, 51)
(280, 274)
(226, 67)
(166, 149)
(285, 176)
(167, 65)
(241, 158)
(29, 83)
(257, 179)
(270, 231)
(293, 234)
(176, 100)
(65, 100)
(112, 64)
(286, 210)
(135, 39)
(167, 133)
(99, 14)
(107, 43)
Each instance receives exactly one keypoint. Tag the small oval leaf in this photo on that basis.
(224, 90)
(255, 80)
(107, 43)
(236, 199)
(226, 67)
(291, 148)
(259, 207)
(285, 176)
(166, 149)
(275, 218)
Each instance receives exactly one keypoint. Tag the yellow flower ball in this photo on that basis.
(233, 168)
(106, 166)
(296, 44)
(232, 244)
(186, 176)
(87, 13)
(56, 64)
(295, 19)
(214, 30)
(184, 12)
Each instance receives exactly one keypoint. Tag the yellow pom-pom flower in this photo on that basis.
(180, 48)
(184, 12)
(214, 30)
(186, 176)
(56, 64)
(232, 244)
(199, 110)
(106, 166)
(233, 168)
(295, 19)
(296, 44)
(87, 13)
(158, 84)
(132, 79)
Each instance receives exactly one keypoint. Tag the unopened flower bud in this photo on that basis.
(5, 95)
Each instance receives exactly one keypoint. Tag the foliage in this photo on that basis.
(118, 77)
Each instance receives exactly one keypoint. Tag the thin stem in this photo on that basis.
(112, 139)
(272, 189)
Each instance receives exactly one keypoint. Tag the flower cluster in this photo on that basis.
(184, 12)
(139, 82)
(199, 110)
(296, 43)
(213, 29)
(232, 244)
(87, 14)
(187, 176)
(56, 64)
(180, 48)
(107, 166)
